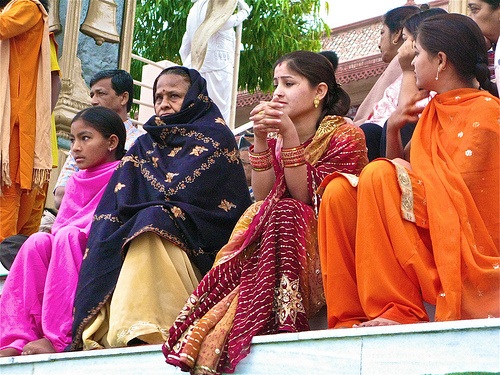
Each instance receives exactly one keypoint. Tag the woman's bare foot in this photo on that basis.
(377, 322)
(39, 346)
(8, 352)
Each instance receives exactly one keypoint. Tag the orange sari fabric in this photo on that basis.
(399, 237)
(456, 153)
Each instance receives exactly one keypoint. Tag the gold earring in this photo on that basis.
(316, 102)
(437, 74)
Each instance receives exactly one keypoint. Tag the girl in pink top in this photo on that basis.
(38, 295)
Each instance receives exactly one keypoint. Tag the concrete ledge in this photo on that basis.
(137, 360)
(427, 348)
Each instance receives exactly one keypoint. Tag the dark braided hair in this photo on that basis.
(107, 122)
(412, 22)
(460, 38)
(395, 18)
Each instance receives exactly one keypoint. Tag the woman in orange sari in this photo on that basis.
(427, 230)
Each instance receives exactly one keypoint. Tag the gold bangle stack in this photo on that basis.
(261, 161)
(293, 157)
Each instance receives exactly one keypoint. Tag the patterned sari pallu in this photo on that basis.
(267, 278)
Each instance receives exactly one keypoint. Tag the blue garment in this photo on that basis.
(183, 181)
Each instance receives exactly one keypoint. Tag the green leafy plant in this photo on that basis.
(274, 27)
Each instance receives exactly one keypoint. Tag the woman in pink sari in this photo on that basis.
(37, 299)
(267, 278)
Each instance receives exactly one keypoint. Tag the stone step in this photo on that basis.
(428, 348)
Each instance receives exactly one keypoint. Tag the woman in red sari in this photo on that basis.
(267, 278)
(427, 230)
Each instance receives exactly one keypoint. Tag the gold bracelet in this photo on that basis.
(298, 164)
(295, 149)
(261, 161)
(293, 157)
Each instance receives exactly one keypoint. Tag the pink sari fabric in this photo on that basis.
(37, 299)
(269, 269)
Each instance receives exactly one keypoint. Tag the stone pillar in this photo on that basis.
(54, 22)
(74, 92)
(127, 34)
(80, 56)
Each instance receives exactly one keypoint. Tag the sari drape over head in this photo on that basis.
(183, 181)
(267, 278)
